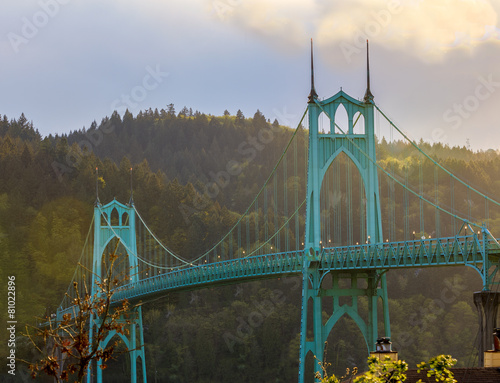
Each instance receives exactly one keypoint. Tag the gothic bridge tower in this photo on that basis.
(117, 221)
(324, 148)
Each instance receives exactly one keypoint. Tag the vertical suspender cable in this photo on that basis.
(338, 205)
(275, 203)
(389, 209)
(142, 236)
(406, 209)
(257, 225)
(436, 188)
(325, 217)
(421, 202)
(248, 234)
(390, 186)
(331, 205)
(452, 190)
(349, 202)
(306, 169)
(486, 212)
(296, 193)
(222, 252)
(230, 244)
(469, 203)
(239, 239)
(362, 209)
(266, 215)
(285, 203)
(393, 208)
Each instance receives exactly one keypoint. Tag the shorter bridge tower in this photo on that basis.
(116, 220)
(324, 147)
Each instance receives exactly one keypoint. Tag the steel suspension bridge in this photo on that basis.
(327, 231)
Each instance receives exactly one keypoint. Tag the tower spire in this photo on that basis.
(368, 94)
(312, 95)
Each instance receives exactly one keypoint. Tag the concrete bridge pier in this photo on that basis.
(487, 306)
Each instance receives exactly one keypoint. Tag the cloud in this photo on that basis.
(285, 24)
(426, 56)
(427, 29)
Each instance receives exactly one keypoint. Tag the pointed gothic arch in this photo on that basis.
(114, 217)
(104, 219)
(343, 202)
(324, 124)
(341, 119)
(345, 346)
(358, 123)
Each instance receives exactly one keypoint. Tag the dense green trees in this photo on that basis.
(47, 190)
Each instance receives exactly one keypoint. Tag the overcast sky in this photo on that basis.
(434, 63)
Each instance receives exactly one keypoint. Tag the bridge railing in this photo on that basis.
(466, 250)
(459, 250)
(249, 267)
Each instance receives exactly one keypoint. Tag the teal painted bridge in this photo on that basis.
(468, 251)
(328, 207)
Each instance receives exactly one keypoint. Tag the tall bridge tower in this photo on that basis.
(118, 220)
(324, 147)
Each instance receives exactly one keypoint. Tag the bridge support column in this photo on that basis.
(347, 285)
(325, 145)
(487, 307)
(133, 322)
(122, 228)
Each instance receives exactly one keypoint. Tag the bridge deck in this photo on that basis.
(463, 250)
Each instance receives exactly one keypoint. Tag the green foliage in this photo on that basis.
(438, 368)
(390, 371)
(382, 371)
(67, 346)
(323, 376)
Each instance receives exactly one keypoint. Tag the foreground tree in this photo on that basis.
(69, 346)
(323, 377)
(389, 371)
(383, 371)
(438, 368)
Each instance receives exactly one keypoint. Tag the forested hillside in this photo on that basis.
(192, 176)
